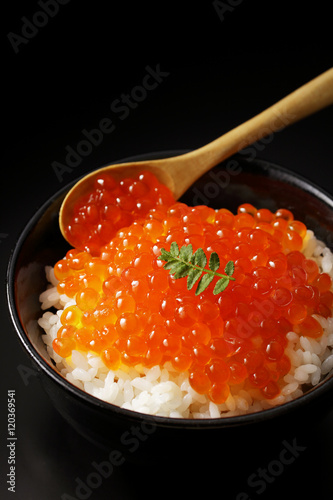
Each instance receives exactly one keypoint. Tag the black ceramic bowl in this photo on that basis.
(145, 437)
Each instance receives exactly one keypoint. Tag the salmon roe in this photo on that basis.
(111, 205)
(130, 310)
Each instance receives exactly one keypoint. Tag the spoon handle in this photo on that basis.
(306, 100)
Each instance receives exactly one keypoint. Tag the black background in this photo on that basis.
(221, 66)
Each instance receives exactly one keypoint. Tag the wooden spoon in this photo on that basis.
(179, 173)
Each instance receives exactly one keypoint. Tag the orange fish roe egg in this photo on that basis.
(219, 392)
(63, 346)
(62, 269)
(130, 310)
(110, 206)
(71, 316)
(87, 299)
(111, 357)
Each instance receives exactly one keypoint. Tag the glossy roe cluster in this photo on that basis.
(130, 310)
(112, 205)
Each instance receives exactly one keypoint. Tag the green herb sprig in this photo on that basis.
(183, 262)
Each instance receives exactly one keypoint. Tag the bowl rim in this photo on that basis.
(43, 366)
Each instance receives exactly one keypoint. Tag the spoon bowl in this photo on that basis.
(180, 172)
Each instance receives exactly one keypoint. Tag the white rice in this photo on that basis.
(163, 391)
